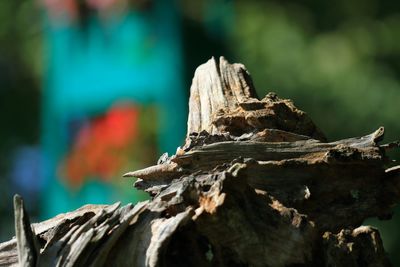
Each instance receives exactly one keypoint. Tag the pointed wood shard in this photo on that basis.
(27, 242)
(217, 88)
(164, 170)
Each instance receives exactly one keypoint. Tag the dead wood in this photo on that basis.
(255, 184)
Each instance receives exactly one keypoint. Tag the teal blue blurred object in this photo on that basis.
(133, 58)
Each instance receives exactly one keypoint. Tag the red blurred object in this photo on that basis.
(99, 147)
(61, 8)
(70, 9)
(102, 4)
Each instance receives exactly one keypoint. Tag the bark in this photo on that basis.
(255, 184)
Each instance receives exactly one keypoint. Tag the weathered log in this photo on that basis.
(255, 184)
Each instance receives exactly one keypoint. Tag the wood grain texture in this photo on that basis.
(9, 253)
(27, 243)
(255, 184)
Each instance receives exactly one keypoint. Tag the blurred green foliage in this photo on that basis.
(346, 76)
(20, 70)
(338, 60)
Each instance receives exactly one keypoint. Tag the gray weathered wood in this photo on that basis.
(27, 244)
(9, 253)
(255, 184)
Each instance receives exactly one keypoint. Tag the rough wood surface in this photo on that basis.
(255, 184)
(27, 245)
(9, 253)
(223, 99)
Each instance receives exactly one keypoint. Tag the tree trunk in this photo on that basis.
(255, 184)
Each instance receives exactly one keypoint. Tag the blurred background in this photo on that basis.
(90, 89)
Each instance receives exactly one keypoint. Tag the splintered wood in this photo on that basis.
(255, 184)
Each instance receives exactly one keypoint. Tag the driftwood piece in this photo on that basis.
(255, 184)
